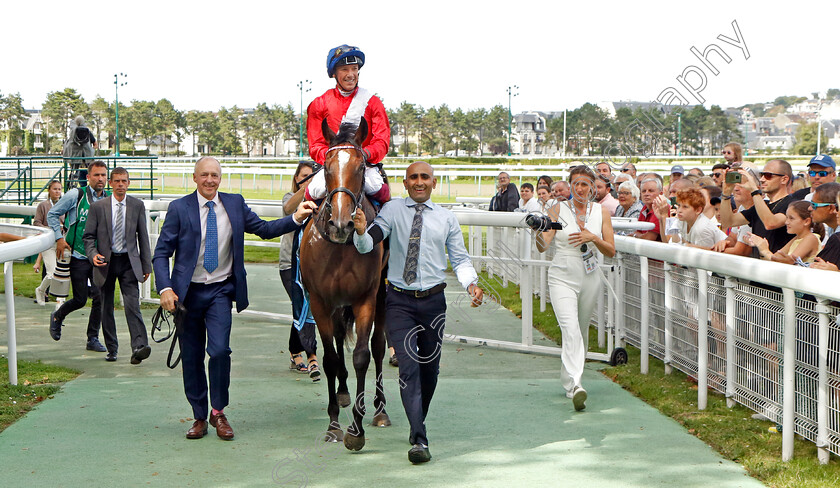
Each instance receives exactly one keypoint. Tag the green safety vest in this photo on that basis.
(77, 228)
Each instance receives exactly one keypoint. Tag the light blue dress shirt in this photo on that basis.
(441, 233)
(67, 205)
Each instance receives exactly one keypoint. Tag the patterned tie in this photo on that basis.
(211, 241)
(413, 254)
(119, 231)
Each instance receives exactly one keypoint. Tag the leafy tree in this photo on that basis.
(12, 114)
(832, 93)
(168, 121)
(61, 107)
(787, 101)
(806, 139)
(142, 121)
(406, 119)
(100, 115)
(228, 125)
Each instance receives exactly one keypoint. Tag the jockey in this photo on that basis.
(347, 102)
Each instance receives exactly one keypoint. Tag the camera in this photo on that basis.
(733, 177)
(541, 223)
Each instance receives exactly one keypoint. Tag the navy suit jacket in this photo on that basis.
(181, 236)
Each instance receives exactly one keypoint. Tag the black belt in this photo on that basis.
(420, 293)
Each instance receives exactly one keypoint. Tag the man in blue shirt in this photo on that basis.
(421, 233)
(75, 204)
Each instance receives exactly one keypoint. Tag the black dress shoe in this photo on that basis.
(55, 327)
(419, 454)
(140, 354)
(93, 344)
(111, 357)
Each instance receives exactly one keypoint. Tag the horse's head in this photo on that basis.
(344, 171)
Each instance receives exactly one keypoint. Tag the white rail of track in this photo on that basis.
(38, 239)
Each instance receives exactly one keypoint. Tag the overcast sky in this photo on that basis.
(204, 55)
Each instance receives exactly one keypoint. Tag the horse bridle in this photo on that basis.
(357, 199)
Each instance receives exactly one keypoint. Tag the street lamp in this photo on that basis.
(117, 85)
(301, 85)
(510, 93)
(679, 134)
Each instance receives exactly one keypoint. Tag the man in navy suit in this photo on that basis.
(205, 230)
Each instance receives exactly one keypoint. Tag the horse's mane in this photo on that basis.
(346, 135)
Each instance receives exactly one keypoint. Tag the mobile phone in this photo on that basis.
(673, 201)
(733, 177)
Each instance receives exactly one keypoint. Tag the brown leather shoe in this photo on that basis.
(223, 428)
(198, 430)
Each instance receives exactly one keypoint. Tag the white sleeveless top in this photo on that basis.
(566, 214)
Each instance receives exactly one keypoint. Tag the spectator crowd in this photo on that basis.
(766, 212)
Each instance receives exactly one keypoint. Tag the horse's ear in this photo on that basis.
(361, 132)
(328, 134)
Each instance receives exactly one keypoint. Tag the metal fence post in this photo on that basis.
(788, 374)
(644, 283)
(8, 267)
(823, 455)
(601, 312)
(669, 320)
(702, 339)
(729, 286)
(526, 291)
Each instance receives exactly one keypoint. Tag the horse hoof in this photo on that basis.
(343, 399)
(334, 435)
(353, 442)
(381, 420)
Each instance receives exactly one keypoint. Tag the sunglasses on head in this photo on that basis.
(821, 174)
(815, 205)
(768, 175)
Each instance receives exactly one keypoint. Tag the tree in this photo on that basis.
(405, 119)
(832, 93)
(100, 116)
(61, 107)
(806, 139)
(12, 115)
(168, 120)
(143, 121)
(228, 124)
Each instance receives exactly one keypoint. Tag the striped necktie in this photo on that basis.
(119, 229)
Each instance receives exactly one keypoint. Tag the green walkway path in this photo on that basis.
(498, 419)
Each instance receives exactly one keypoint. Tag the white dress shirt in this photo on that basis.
(225, 242)
(118, 246)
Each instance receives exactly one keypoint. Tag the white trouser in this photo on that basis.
(48, 261)
(318, 185)
(574, 295)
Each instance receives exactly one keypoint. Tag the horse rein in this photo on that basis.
(326, 207)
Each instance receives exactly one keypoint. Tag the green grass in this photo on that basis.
(36, 383)
(730, 431)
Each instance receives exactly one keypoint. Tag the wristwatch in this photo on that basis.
(756, 192)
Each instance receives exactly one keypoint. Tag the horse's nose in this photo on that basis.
(338, 225)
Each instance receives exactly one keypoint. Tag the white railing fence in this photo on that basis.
(763, 334)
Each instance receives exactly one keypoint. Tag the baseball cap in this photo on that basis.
(677, 169)
(823, 160)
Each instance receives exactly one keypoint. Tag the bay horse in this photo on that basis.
(345, 286)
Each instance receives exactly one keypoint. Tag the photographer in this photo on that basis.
(766, 218)
(574, 278)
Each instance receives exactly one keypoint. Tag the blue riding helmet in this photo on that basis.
(344, 55)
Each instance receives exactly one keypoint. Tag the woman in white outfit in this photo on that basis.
(574, 278)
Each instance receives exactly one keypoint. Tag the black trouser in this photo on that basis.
(120, 269)
(309, 344)
(415, 329)
(81, 273)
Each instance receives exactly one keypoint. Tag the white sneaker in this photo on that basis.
(40, 297)
(579, 398)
